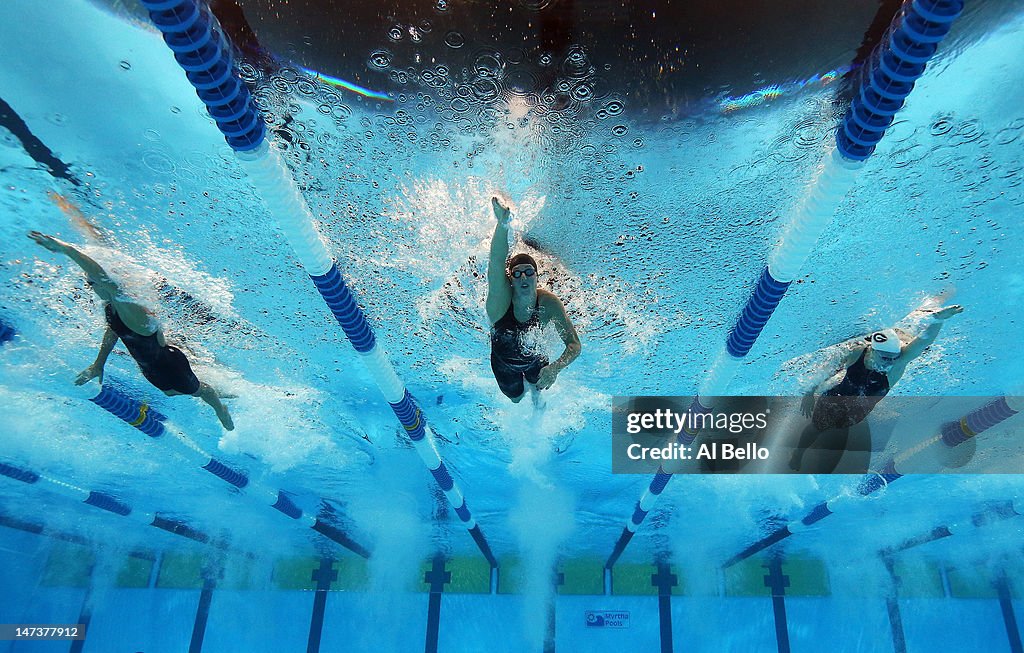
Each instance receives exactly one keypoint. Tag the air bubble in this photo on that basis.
(380, 59)
(454, 40)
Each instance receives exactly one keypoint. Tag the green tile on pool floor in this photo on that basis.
(807, 577)
(746, 578)
(353, 574)
(636, 579)
(135, 572)
(971, 582)
(510, 579)
(469, 576)
(582, 576)
(68, 565)
(918, 579)
(295, 573)
(180, 571)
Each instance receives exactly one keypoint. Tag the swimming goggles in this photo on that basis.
(529, 272)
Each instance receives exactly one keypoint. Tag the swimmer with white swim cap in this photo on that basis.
(869, 370)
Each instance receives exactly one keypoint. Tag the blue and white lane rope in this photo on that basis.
(101, 500)
(951, 435)
(141, 417)
(885, 82)
(203, 51)
(992, 514)
(152, 423)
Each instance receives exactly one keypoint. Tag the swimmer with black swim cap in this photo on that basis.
(163, 365)
(517, 310)
(869, 370)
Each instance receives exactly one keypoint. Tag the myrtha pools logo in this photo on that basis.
(607, 619)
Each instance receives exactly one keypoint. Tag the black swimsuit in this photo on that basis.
(163, 365)
(511, 357)
(850, 401)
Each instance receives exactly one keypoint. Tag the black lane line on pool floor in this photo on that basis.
(665, 580)
(778, 582)
(85, 616)
(436, 578)
(892, 606)
(323, 576)
(1009, 619)
(202, 615)
(557, 580)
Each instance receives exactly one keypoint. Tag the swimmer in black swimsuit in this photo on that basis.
(163, 365)
(869, 370)
(517, 310)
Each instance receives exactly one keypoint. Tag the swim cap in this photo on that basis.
(520, 259)
(886, 341)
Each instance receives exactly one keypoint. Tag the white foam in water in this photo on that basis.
(281, 428)
(542, 520)
(389, 514)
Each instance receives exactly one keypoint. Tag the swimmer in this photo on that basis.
(163, 365)
(515, 308)
(869, 370)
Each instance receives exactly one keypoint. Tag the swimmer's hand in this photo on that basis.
(546, 377)
(88, 374)
(501, 212)
(807, 405)
(48, 242)
(947, 312)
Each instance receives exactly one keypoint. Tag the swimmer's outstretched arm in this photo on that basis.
(96, 369)
(499, 293)
(921, 342)
(91, 268)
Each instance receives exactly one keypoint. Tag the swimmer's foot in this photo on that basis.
(563, 444)
(796, 461)
(225, 417)
(210, 396)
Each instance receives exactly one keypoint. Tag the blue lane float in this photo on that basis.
(140, 415)
(889, 75)
(885, 81)
(991, 515)
(982, 419)
(192, 33)
(151, 422)
(977, 421)
(204, 53)
(103, 501)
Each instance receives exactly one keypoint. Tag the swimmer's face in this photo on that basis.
(882, 361)
(523, 277)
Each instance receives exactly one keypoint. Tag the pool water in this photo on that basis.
(652, 156)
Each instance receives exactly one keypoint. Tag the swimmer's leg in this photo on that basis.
(807, 439)
(210, 396)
